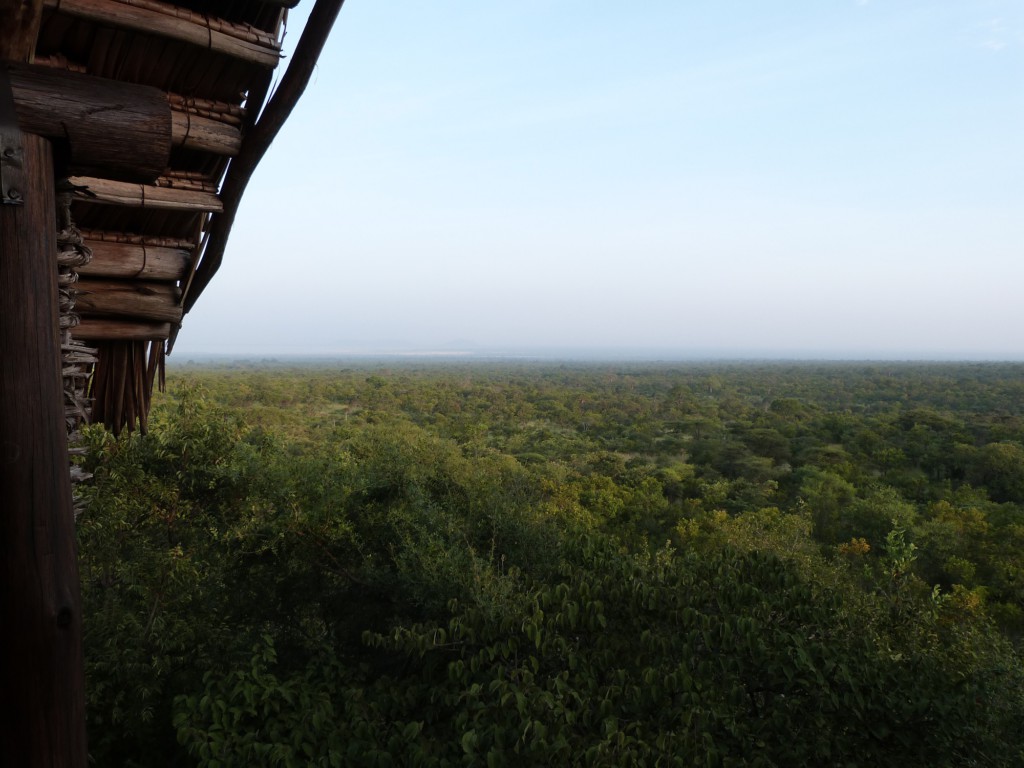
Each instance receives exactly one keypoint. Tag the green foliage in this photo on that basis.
(999, 467)
(460, 567)
(257, 719)
(699, 659)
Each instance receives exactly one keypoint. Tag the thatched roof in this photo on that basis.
(157, 235)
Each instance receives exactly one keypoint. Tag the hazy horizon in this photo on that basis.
(840, 179)
(569, 356)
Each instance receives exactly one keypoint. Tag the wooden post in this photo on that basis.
(42, 714)
(19, 26)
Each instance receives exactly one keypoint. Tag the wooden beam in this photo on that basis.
(52, 104)
(126, 260)
(112, 129)
(42, 709)
(95, 190)
(196, 132)
(103, 329)
(166, 20)
(129, 298)
(19, 28)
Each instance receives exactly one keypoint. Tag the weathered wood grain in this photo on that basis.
(98, 190)
(102, 329)
(129, 298)
(196, 132)
(42, 708)
(126, 260)
(178, 24)
(19, 27)
(111, 129)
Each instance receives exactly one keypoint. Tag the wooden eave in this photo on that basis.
(159, 239)
(128, 132)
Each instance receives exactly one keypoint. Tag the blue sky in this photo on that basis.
(808, 178)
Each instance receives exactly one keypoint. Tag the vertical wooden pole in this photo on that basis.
(42, 698)
(19, 27)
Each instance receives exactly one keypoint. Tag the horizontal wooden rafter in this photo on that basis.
(128, 260)
(95, 190)
(63, 106)
(239, 41)
(129, 298)
(105, 329)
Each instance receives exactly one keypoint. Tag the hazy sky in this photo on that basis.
(804, 178)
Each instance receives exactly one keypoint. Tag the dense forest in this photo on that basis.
(534, 565)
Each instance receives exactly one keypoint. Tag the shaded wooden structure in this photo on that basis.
(129, 130)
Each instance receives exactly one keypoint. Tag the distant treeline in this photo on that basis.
(546, 564)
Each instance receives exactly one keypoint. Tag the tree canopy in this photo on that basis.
(534, 565)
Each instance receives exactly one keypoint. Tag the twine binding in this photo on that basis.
(77, 358)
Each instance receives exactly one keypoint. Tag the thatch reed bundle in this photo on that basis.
(220, 111)
(187, 175)
(200, 182)
(122, 383)
(108, 236)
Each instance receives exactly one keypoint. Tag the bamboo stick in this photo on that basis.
(239, 41)
(107, 236)
(204, 133)
(115, 394)
(241, 30)
(156, 364)
(97, 190)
